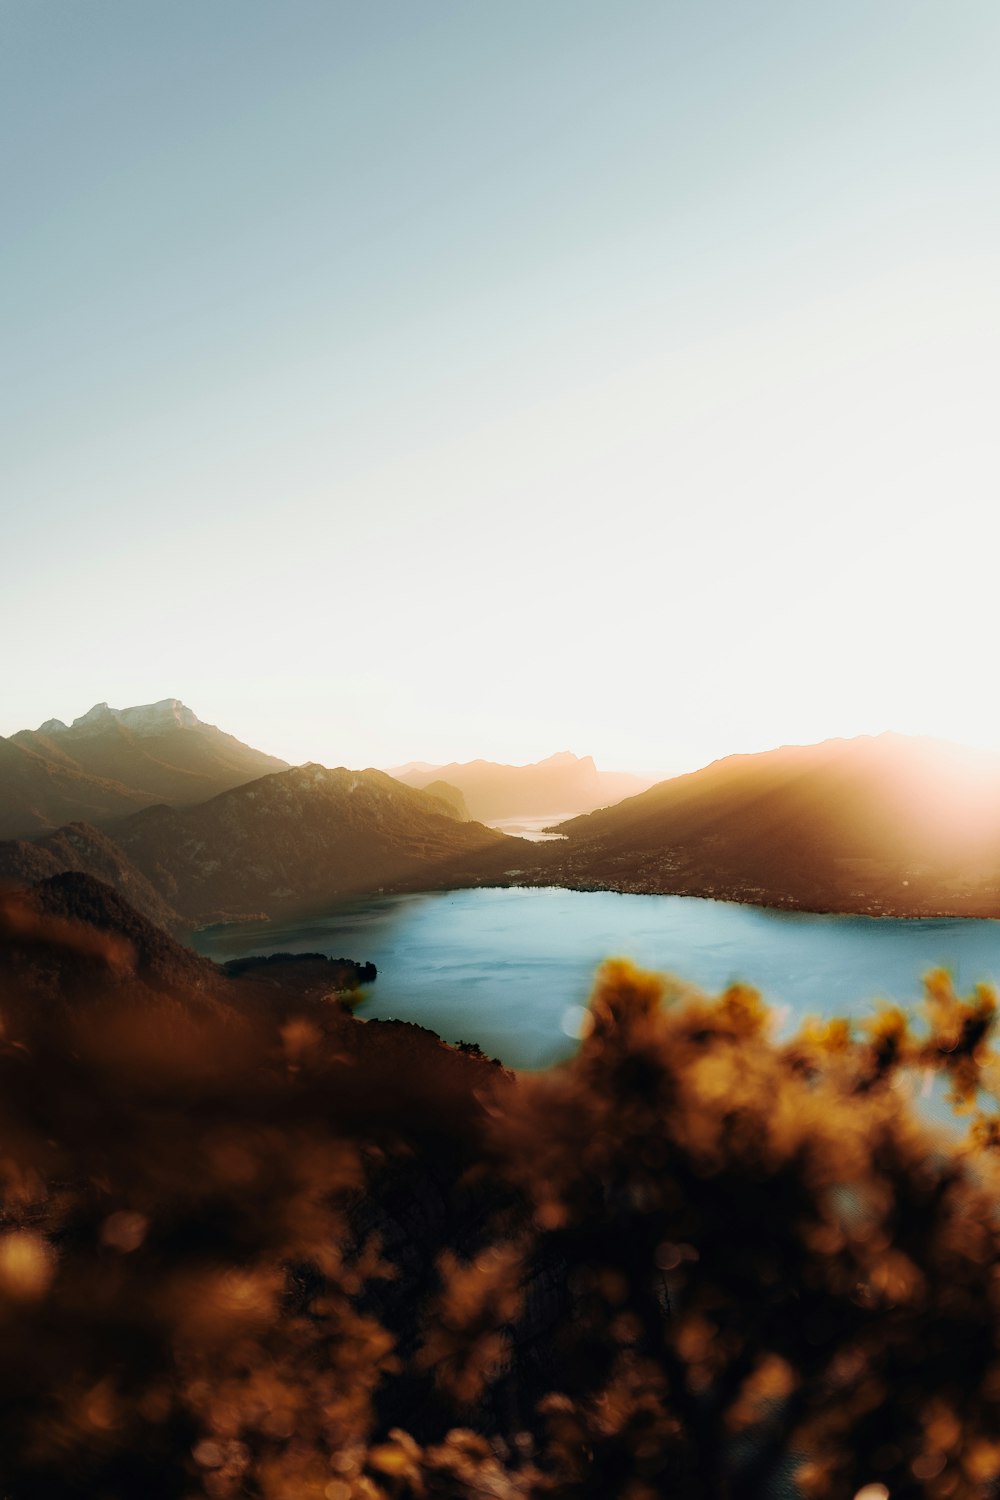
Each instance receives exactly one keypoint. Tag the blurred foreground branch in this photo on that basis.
(252, 1246)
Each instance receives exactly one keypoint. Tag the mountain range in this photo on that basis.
(562, 784)
(886, 825)
(110, 762)
(291, 842)
(281, 845)
(889, 825)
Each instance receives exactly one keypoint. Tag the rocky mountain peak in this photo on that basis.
(143, 718)
(95, 717)
(110, 762)
(156, 716)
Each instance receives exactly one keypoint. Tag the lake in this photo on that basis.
(510, 968)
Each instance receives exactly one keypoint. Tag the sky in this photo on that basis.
(423, 380)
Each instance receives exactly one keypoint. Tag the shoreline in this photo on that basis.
(778, 904)
(774, 903)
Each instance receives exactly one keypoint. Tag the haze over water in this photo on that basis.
(503, 967)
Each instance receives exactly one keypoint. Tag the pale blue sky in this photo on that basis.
(424, 380)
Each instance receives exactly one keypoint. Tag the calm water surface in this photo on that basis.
(505, 968)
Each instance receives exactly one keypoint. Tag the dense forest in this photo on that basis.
(252, 1246)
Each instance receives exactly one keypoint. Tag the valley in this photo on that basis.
(887, 826)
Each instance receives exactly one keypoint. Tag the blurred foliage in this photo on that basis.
(695, 1261)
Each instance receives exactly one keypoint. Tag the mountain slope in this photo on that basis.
(564, 783)
(293, 841)
(886, 824)
(450, 796)
(158, 752)
(69, 937)
(40, 791)
(84, 850)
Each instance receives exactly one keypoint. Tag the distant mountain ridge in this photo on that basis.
(563, 783)
(143, 718)
(110, 762)
(287, 843)
(886, 825)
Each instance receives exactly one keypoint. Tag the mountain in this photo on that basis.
(887, 825)
(450, 796)
(70, 936)
(39, 792)
(296, 840)
(112, 761)
(564, 783)
(79, 847)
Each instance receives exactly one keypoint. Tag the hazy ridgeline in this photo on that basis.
(254, 1247)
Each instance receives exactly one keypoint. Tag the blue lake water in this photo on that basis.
(505, 968)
